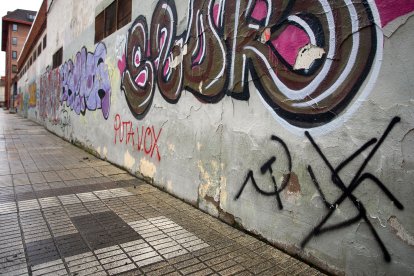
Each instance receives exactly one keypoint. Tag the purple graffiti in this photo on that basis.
(85, 82)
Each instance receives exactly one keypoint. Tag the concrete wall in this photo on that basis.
(293, 122)
(2, 91)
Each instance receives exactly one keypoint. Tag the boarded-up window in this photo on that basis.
(57, 58)
(124, 12)
(44, 42)
(99, 27)
(39, 49)
(110, 19)
(114, 17)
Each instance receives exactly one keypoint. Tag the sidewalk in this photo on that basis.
(65, 212)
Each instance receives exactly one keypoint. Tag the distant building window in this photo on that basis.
(31, 17)
(14, 40)
(44, 42)
(57, 58)
(14, 27)
(114, 17)
(39, 49)
(14, 55)
(14, 68)
(34, 55)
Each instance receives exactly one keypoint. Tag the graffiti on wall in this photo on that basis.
(389, 11)
(25, 104)
(85, 82)
(359, 177)
(18, 102)
(307, 59)
(267, 168)
(32, 94)
(144, 139)
(65, 123)
(49, 98)
(81, 84)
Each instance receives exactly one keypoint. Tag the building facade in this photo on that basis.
(290, 119)
(15, 27)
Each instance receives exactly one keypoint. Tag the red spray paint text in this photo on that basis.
(143, 139)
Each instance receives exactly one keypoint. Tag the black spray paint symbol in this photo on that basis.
(267, 167)
(358, 178)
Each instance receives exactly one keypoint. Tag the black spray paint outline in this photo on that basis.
(267, 166)
(358, 178)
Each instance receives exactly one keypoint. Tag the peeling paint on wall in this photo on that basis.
(400, 231)
(147, 168)
(129, 160)
(209, 186)
(307, 56)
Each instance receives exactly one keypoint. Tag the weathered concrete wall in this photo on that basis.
(293, 121)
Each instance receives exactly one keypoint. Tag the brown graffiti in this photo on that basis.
(307, 59)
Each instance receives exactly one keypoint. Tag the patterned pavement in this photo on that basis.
(65, 212)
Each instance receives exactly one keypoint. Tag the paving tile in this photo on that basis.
(95, 270)
(7, 208)
(49, 202)
(162, 271)
(193, 268)
(88, 196)
(20, 179)
(121, 269)
(186, 263)
(155, 266)
(142, 263)
(48, 269)
(69, 199)
(27, 205)
(233, 270)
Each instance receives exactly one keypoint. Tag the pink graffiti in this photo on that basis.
(290, 41)
(391, 9)
(260, 10)
(122, 63)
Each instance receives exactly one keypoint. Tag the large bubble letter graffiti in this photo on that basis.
(307, 59)
(85, 82)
